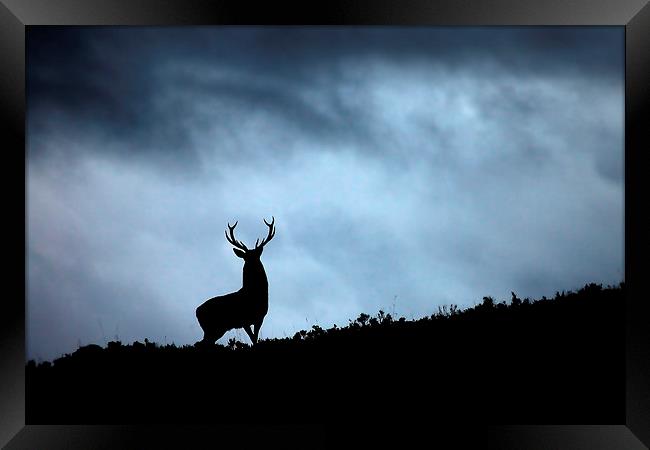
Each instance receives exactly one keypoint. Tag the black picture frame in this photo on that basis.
(16, 15)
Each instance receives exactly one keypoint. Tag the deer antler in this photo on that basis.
(240, 245)
(269, 236)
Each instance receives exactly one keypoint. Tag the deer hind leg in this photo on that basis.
(202, 323)
(212, 336)
(208, 339)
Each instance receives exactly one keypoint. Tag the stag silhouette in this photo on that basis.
(246, 307)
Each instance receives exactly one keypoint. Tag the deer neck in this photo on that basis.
(254, 280)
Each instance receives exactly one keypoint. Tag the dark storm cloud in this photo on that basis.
(110, 81)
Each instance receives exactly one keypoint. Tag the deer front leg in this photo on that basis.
(253, 337)
(257, 327)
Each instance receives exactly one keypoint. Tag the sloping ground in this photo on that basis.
(555, 360)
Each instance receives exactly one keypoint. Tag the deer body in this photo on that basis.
(248, 306)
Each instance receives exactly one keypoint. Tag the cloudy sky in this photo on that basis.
(406, 168)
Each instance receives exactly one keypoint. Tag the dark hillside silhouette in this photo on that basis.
(524, 361)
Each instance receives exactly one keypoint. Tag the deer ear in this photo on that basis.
(238, 252)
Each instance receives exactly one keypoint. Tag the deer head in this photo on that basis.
(241, 250)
